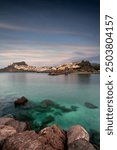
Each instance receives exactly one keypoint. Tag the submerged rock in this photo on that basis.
(90, 105)
(21, 101)
(75, 133)
(46, 103)
(48, 119)
(74, 108)
(95, 138)
(49, 104)
(81, 144)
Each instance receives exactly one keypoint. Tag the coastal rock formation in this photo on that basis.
(19, 126)
(15, 136)
(55, 138)
(81, 144)
(83, 66)
(50, 138)
(4, 120)
(21, 141)
(21, 101)
(5, 132)
(77, 132)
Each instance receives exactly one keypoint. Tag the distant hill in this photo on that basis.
(81, 67)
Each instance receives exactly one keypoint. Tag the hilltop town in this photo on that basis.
(80, 67)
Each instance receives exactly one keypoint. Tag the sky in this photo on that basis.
(49, 32)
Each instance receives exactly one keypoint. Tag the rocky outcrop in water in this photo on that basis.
(49, 138)
(21, 101)
(5, 132)
(90, 105)
(81, 67)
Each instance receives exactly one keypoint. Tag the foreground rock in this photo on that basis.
(55, 137)
(4, 120)
(19, 126)
(50, 138)
(81, 144)
(75, 133)
(5, 132)
(27, 140)
(21, 101)
(14, 135)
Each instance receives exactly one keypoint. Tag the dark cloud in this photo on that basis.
(40, 24)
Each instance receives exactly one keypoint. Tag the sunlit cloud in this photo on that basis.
(51, 56)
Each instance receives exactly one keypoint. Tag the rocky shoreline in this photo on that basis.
(18, 134)
(79, 67)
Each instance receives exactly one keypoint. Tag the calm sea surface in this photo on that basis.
(71, 90)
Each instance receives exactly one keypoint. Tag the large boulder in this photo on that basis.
(21, 141)
(4, 120)
(50, 138)
(77, 132)
(21, 101)
(81, 144)
(55, 137)
(5, 132)
(18, 125)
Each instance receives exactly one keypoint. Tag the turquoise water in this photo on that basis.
(71, 90)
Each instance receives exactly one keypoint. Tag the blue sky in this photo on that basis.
(48, 32)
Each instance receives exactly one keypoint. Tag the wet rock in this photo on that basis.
(75, 133)
(50, 138)
(81, 144)
(5, 132)
(18, 125)
(21, 141)
(90, 105)
(55, 137)
(4, 120)
(21, 101)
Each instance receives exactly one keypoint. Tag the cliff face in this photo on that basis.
(83, 66)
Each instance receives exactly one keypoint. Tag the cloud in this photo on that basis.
(51, 56)
(44, 30)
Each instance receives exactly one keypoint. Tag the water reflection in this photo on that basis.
(22, 77)
(84, 78)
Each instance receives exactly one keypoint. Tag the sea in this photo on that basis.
(66, 91)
